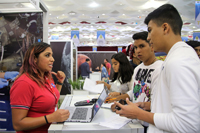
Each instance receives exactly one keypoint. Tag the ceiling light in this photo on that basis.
(72, 13)
(123, 14)
(82, 14)
(103, 14)
(94, 4)
(50, 14)
(193, 27)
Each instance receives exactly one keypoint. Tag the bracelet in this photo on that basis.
(59, 83)
(46, 119)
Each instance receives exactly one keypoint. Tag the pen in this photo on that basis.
(111, 99)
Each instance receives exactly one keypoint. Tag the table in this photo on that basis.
(102, 114)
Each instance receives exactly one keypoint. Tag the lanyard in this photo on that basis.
(50, 88)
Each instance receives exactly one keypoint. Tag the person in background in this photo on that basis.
(97, 69)
(122, 78)
(6, 76)
(135, 61)
(175, 104)
(85, 69)
(104, 73)
(145, 75)
(108, 66)
(34, 96)
(124, 51)
(195, 45)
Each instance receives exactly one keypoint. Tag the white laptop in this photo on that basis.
(86, 114)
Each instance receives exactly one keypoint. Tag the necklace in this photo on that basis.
(154, 60)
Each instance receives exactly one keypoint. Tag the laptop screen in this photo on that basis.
(99, 102)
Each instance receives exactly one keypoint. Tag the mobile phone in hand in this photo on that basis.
(121, 101)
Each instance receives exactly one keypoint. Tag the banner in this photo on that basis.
(119, 49)
(94, 48)
(75, 36)
(197, 11)
(55, 37)
(101, 37)
(185, 39)
(196, 36)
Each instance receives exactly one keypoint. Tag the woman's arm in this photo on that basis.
(22, 122)
(105, 84)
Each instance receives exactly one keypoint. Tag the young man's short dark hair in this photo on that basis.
(193, 43)
(106, 60)
(141, 35)
(166, 14)
(87, 59)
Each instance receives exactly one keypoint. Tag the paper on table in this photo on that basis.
(107, 105)
(91, 86)
(115, 121)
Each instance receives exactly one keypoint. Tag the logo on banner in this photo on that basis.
(196, 36)
(101, 37)
(75, 36)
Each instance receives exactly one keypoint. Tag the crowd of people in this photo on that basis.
(164, 96)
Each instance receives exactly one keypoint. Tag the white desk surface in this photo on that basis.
(75, 127)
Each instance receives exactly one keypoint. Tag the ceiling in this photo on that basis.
(120, 18)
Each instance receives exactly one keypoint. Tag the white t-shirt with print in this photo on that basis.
(144, 80)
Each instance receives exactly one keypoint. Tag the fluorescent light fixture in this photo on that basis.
(94, 4)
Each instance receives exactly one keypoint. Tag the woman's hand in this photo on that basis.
(59, 115)
(60, 76)
(100, 82)
(114, 94)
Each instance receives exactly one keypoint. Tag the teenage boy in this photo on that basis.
(175, 104)
(145, 74)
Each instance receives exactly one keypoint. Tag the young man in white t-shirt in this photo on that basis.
(175, 104)
(145, 74)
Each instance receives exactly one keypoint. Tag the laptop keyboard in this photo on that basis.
(80, 113)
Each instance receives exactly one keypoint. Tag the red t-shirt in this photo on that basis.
(39, 101)
(108, 66)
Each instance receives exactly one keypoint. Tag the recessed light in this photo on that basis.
(94, 4)
(103, 14)
(123, 14)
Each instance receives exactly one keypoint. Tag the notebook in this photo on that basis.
(86, 114)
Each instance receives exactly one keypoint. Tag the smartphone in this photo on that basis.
(121, 101)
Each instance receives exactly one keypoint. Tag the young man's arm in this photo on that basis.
(132, 111)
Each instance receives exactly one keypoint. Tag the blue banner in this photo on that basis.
(185, 39)
(101, 37)
(94, 48)
(196, 36)
(75, 36)
(197, 15)
(54, 37)
(119, 49)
